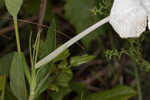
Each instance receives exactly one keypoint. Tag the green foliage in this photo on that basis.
(8, 94)
(17, 78)
(50, 42)
(43, 79)
(60, 94)
(80, 89)
(118, 93)
(64, 55)
(64, 77)
(34, 7)
(2, 3)
(103, 8)
(2, 87)
(80, 15)
(5, 63)
(134, 52)
(46, 47)
(78, 60)
(13, 6)
(110, 53)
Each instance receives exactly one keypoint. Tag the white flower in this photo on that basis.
(129, 17)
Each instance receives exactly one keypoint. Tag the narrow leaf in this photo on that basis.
(46, 47)
(118, 93)
(63, 56)
(50, 43)
(26, 68)
(78, 60)
(2, 87)
(80, 15)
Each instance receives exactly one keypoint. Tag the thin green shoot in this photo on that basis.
(17, 34)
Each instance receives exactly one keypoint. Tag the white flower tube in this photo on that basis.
(128, 18)
(59, 50)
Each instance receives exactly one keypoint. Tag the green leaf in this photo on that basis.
(80, 15)
(17, 79)
(9, 95)
(53, 87)
(63, 64)
(78, 60)
(64, 77)
(5, 63)
(34, 7)
(13, 6)
(46, 47)
(79, 87)
(50, 43)
(2, 4)
(118, 93)
(60, 94)
(41, 73)
(63, 56)
(43, 80)
(26, 68)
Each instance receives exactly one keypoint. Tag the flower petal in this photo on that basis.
(128, 18)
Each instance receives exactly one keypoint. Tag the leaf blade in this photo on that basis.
(118, 93)
(78, 60)
(5, 63)
(50, 43)
(17, 79)
(13, 6)
(79, 14)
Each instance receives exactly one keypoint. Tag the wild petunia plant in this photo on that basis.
(38, 77)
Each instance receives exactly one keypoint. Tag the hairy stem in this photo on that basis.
(66, 45)
(32, 85)
(138, 83)
(31, 97)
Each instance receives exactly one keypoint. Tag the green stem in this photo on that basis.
(17, 34)
(138, 83)
(32, 89)
(31, 97)
(3, 89)
(33, 84)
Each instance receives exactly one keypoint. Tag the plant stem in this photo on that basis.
(66, 45)
(17, 34)
(32, 87)
(138, 83)
(3, 88)
(31, 97)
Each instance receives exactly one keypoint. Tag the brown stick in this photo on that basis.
(21, 24)
(42, 13)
